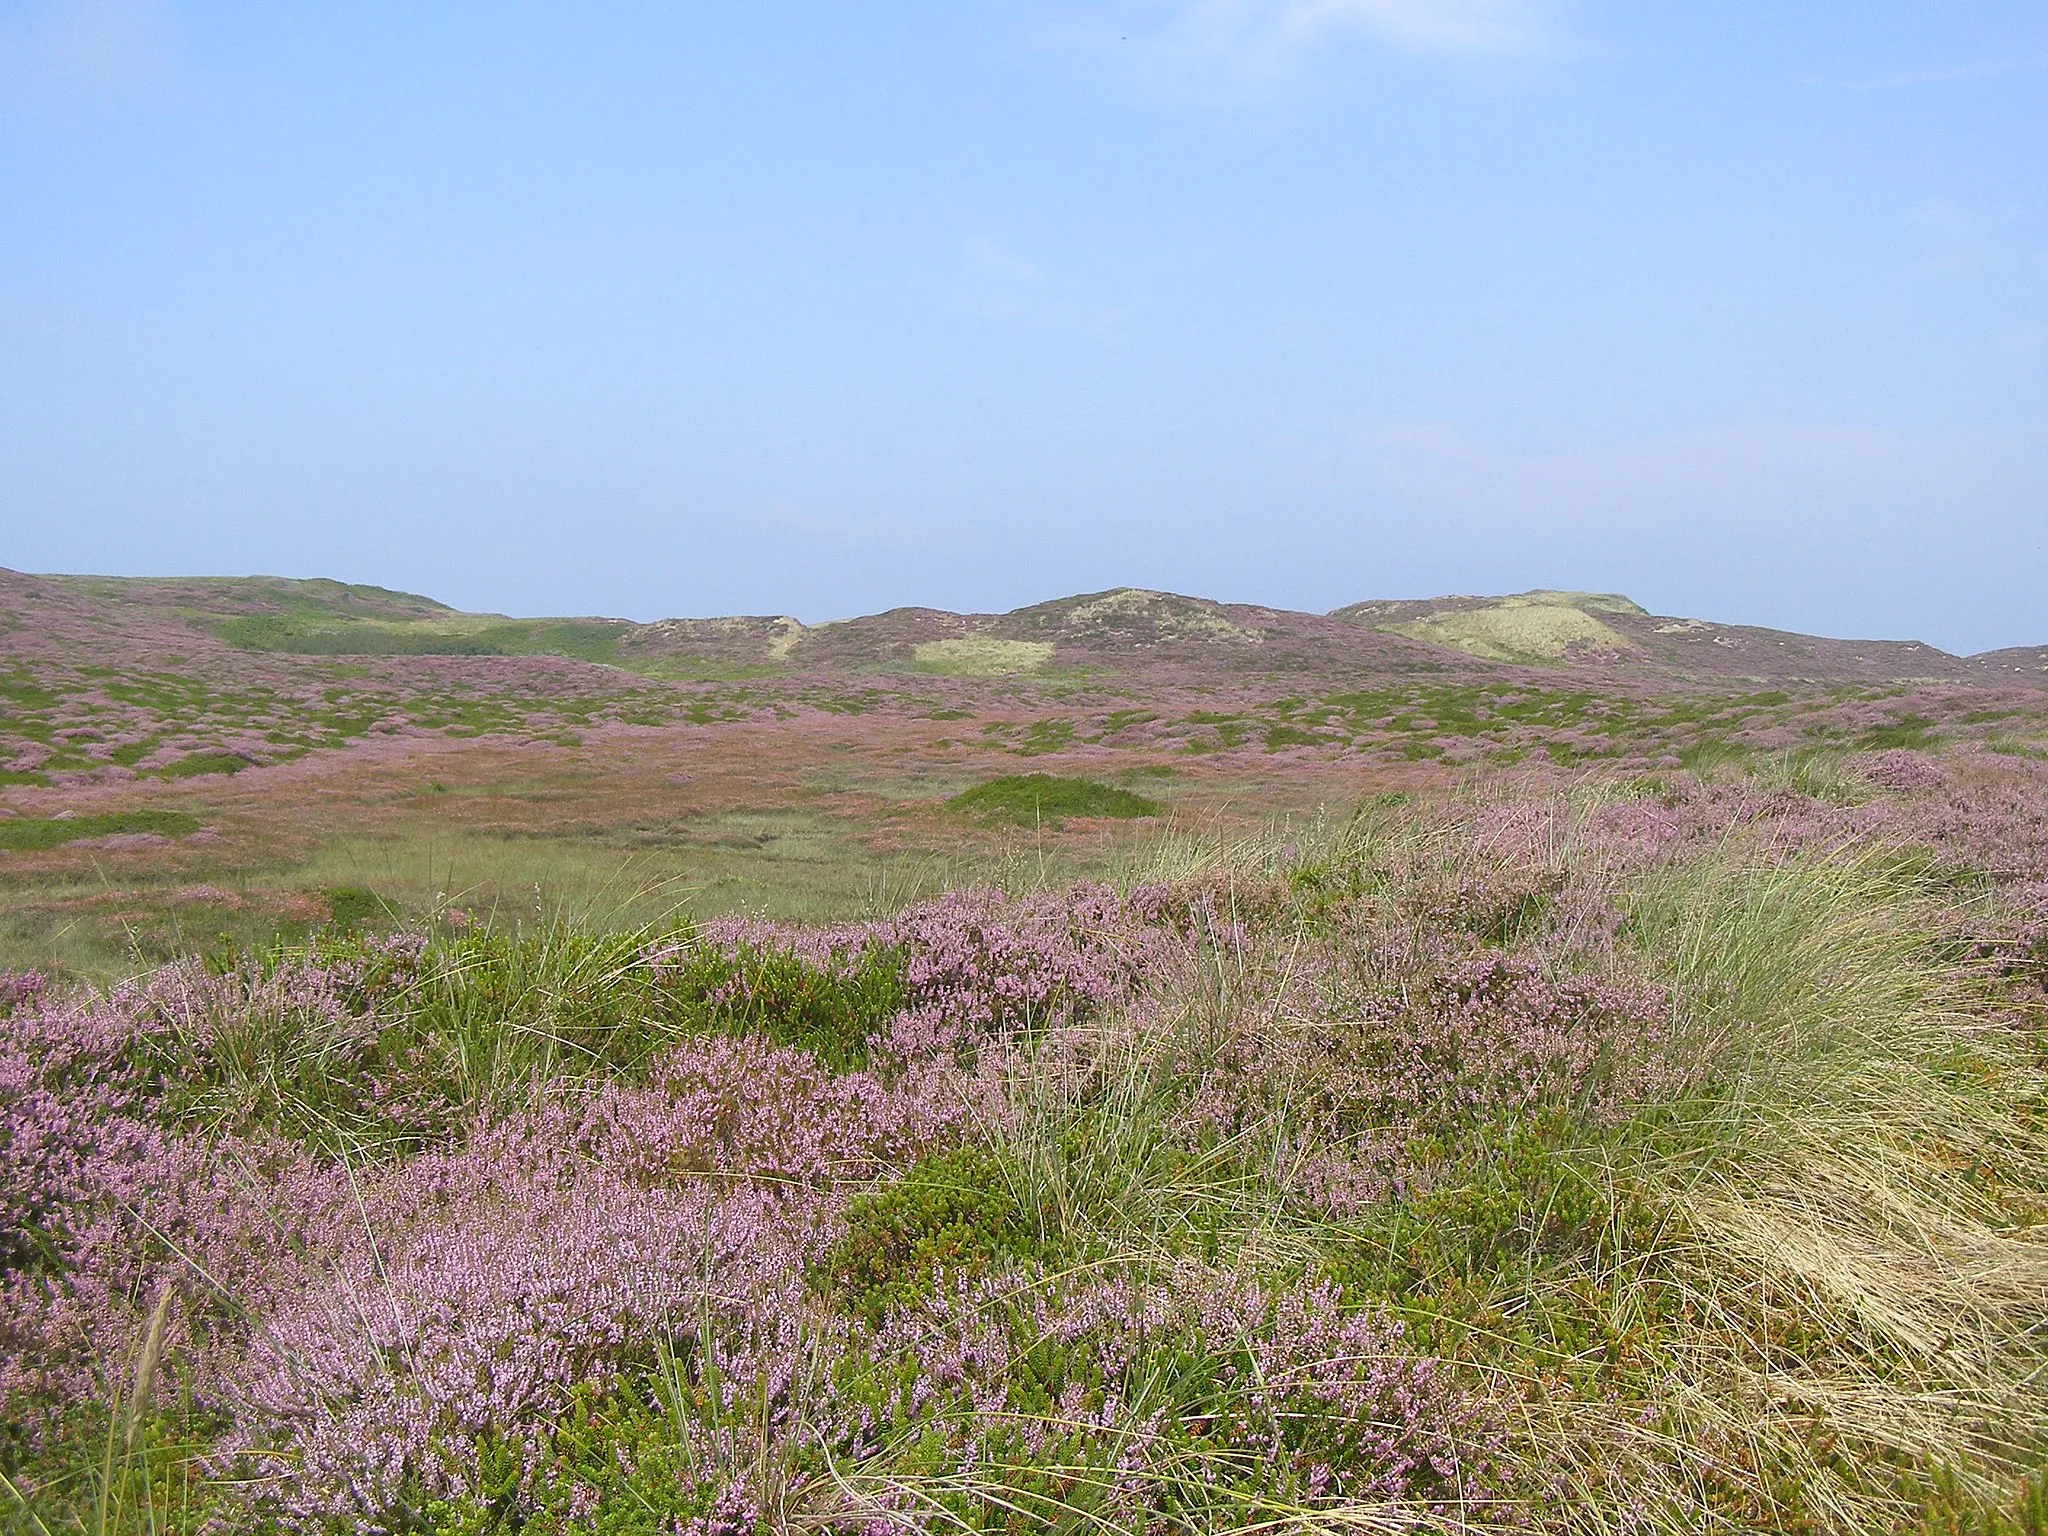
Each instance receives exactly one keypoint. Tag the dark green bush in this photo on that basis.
(828, 1010)
(351, 906)
(949, 1213)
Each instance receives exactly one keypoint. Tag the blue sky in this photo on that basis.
(1741, 309)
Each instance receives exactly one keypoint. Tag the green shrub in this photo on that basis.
(351, 906)
(830, 1010)
(1951, 1509)
(950, 1213)
(1031, 798)
(614, 1465)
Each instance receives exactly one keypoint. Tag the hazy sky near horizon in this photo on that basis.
(654, 309)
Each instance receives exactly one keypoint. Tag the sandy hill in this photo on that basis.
(178, 621)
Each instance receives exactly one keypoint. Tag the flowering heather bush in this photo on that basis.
(1902, 769)
(377, 1335)
(975, 963)
(21, 989)
(1265, 1380)
(376, 1391)
(392, 1330)
(1396, 1052)
(1092, 1208)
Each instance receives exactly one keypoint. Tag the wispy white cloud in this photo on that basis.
(1271, 31)
(1225, 52)
(92, 47)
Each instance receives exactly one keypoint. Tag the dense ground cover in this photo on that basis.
(191, 762)
(1661, 1152)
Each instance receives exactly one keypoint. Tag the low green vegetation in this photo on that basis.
(351, 906)
(299, 637)
(440, 635)
(24, 833)
(952, 1215)
(1656, 1152)
(1029, 799)
(198, 764)
(1449, 1173)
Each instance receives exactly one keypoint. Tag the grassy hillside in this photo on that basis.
(1121, 629)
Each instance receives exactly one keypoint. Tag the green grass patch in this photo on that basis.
(579, 639)
(829, 1011)
(297, 637)
(1912, 731)
(1705, 757)
(1030, 798)
(26, 833)
(1046, 736)
(198, 764)
(1282, 736)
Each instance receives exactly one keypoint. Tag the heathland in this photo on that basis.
(1133, 1063)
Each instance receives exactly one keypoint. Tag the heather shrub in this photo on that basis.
(21, 989)
(487, 1320)
(1528, 1161)
(976, 964)
(1186, 1397)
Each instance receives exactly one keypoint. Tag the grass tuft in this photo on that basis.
(1029, 799)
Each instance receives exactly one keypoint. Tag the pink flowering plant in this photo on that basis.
(1457, 1173)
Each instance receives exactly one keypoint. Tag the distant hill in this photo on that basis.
(1121, 629)
(110, 681)
(1548, 628)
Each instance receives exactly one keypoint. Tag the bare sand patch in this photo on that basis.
(1519, 629)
